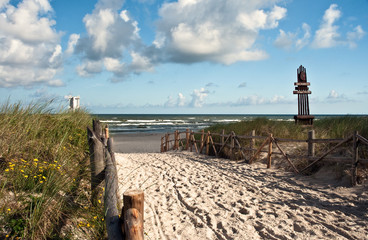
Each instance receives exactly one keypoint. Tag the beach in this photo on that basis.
(137, 142)
(191, 196)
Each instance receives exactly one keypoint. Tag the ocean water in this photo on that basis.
(150, 123)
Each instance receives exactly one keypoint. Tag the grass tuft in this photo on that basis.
(44, 178)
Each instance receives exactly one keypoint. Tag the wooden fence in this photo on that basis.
(104, 173)
(244, 147)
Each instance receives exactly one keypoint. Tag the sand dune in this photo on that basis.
(190, 196)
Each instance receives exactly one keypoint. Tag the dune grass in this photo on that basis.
(334, 127)
(44, 175)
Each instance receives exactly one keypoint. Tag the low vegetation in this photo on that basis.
(333, 127)
(44, 179)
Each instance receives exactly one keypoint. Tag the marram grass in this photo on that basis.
(44, 175)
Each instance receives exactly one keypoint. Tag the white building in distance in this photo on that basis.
(74, 102)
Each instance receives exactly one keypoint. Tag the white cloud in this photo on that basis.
(181, 100)
(354, 36)
(327, 35)
(30, 52)
(222, 31)
(289, 40)
(333, 94)
(112, 37)
(198, 97)
(73, 40)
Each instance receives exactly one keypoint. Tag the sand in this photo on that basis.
(190, 196)
(137, 142)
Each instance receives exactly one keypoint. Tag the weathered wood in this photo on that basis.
(133, 225)
(328, 152)
(354, 160)
(208, 143)
(97, 164)
(176, 147)
(223, 137)
(194, 142)
(252, 142)
(113, 226)
(269, 156)
(362, 139)
(227, 139)
(167, 142)
(110, 149)
(240, 147)
(213, 145)
(97, 129)
(232, 145)
(286, 157)
(311, 148)
(202, 141)
(187, 133)
(132, 199)
(259, 150)
(162, 144)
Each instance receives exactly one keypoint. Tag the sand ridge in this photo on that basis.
(190, 196)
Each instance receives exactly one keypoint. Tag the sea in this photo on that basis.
(163, 123)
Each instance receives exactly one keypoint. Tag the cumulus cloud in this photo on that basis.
(198, 97)
(222, 31)
(327, 35)
(354, 36)
(30, 52)
(334, 96)
(112, 38)
(257, 100)
(290, 40)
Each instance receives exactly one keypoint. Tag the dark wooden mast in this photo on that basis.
(302, 90)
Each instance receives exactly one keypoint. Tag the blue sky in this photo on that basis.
(186, 56)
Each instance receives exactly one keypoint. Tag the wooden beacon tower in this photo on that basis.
(302, 90)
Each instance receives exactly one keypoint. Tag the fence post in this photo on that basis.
(176, 140)
(187, 133)
(133, 214)
(269, 156)
(111, 201)
(355, 158)
(97, 162)
(202, 139)
(222, 137)
(191, 141)
(252, 142)
(311, 145)
(167, 142)
(232, 145)
(162, 144)
(208, 143)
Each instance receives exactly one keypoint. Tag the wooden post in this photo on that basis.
(222, 137)
(354, 162)
(110, 149)
(311, 145)
(167, 142)
(162, 144)
(269, 156)
(176, 147)
(191, 141)
(111, 202)
(252, 143)
(133, 214)
(97, 163)
(232, 145)
(97, 128)
(202, 141)
(187, 139)
(208, 143)
(107, 134)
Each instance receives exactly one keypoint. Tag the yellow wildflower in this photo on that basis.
(41, 181)
(26, 176)
(21, 170)
(7, 170)
(36, 160)
(99, 201)
(9, 209)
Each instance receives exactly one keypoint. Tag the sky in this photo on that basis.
(185, 56)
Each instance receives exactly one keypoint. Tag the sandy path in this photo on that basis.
(188, 196)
